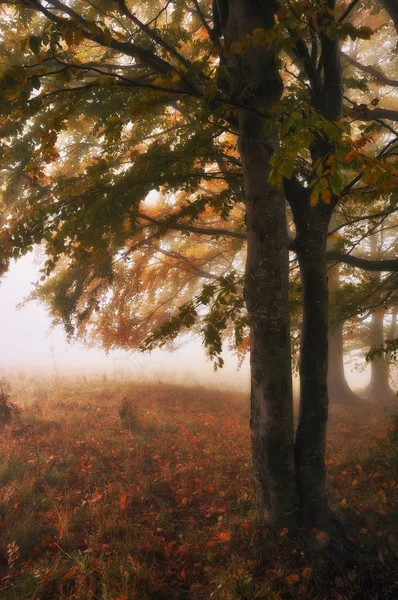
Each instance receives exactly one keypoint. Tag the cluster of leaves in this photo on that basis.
(222, 307)
(390, 349)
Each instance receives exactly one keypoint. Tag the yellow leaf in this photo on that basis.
(160, 82)
(238, 47)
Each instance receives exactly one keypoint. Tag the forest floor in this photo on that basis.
(116, 490)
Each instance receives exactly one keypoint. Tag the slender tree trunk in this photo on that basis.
(310, 442)
(311, 239)
(267, 272)
(379, 391)
(338, 389)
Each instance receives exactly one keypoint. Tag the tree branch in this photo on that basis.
(152, 34)
(363, 263)
(347, 11)
(210, 32)
(129, 49)
(192, 229)
(371, 71)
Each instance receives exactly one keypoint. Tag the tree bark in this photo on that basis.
(267, 270)
(312, 231)
(310, 444)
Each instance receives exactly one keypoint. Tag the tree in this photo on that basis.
(338, 388)
(105, 104)
(379, 390)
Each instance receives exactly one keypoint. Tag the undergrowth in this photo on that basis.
(118, 490)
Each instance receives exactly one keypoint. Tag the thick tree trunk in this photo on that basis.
(266, 294)
(310, 442)
(267, 273)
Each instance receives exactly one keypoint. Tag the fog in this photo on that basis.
(30, 343)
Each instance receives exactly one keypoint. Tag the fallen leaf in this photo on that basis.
(123, 502)
(223, 536)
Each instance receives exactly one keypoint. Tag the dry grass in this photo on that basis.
(118, 490)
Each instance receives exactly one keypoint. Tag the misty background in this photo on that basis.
(31, 344)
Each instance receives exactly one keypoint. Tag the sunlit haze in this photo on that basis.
(31, 343)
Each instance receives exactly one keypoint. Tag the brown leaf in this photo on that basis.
(123, 502)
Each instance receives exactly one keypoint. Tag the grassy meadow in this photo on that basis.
(118, 490)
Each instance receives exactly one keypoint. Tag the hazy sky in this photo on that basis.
(29, 342)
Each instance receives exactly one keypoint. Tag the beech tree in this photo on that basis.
(128, 127)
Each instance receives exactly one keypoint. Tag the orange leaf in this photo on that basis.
(223, 536)
(382, 495)
(307, 572)
(292, 579)
(182, 576)
(326, 196)
(284, 532)
(314, 198)
(123, 502)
